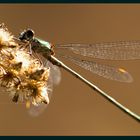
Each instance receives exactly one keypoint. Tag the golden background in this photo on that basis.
(75, 109)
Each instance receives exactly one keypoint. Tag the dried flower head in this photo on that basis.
(21, 75)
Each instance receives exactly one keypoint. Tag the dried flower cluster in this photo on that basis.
(21, 75)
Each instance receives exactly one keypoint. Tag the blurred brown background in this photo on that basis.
(75, 109)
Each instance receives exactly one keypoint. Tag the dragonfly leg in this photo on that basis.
(35, 55)
(25, 46)
(30, 49)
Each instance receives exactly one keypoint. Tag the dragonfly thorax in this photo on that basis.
(42, 47)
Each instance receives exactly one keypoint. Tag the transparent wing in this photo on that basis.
(35, 111)
(122, 50)
(55, 73)
(103, 70)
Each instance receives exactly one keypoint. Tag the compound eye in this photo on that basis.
(29, 34)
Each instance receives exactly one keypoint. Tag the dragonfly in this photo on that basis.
(44, 52)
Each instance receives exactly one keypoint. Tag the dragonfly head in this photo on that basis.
(26, 35)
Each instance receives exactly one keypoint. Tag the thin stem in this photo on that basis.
(55, 61)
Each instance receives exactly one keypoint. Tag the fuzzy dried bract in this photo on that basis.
(21, 75)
